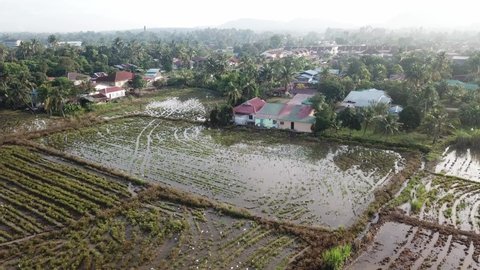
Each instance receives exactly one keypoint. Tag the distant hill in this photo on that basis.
(296, 25)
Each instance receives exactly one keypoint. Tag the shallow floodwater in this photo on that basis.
(461, 163)
(401, 246)
(308, 183)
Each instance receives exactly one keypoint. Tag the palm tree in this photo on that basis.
(368, 116)
(429, 98)
(441, 67)
(53, 99)
(233, 94)
(474, 63)
(389, 124)
(35, 46)
(436, 124)
(379, 108)
(24, 51)
(286, 75)
(266, 74)
(53, 41)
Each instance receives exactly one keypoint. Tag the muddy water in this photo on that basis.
(305, 183)
(400, 246)
(461, 163)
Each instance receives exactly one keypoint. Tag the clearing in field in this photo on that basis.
(272, 175)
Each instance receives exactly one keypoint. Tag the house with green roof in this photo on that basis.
(297, 115)
(267, 117)
(466, 86)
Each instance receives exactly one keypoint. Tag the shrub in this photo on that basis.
(415, 205)
(465, 139)
(334, 258)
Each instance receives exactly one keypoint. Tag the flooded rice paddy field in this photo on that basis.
(463, 163)
(306, 183)
(444, 221)
(401, 246)
(446, 201)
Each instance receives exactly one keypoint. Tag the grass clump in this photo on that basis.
(416, 205)
(334, 258)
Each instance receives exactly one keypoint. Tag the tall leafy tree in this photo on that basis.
(410, 118)
(350, 119)
(333, 89)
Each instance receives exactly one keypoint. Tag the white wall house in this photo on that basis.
(113, 92)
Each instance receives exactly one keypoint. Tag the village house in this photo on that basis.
(77, 78)
(244, 113)
(105, 93)
(296, 115)
(365, 98)
(12, 43)
(118, 79)
(113, 92)
(70, 43)
(267, 117)
(152, 75)
(297, 118)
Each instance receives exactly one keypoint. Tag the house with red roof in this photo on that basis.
(245, 113)
(296, 115)
(113, 92)
(106, 93)
(118, 79)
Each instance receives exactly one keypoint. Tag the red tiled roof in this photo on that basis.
(250, 107)
(294, 112)
(117, 77)
(111, 90)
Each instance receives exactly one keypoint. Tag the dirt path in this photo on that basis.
(396, 216)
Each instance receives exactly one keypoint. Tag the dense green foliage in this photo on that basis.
(335, 258)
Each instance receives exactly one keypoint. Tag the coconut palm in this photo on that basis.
(233, 94)
(389, 124)
(368, 116)
(53, 99)
(286, 74)
(436, 124)
(52, 40)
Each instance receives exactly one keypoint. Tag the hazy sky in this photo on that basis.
(83, 15)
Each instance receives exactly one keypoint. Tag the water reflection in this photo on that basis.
(461, 162)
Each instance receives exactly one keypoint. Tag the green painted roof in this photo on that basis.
(467, 86)
(270, 110)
